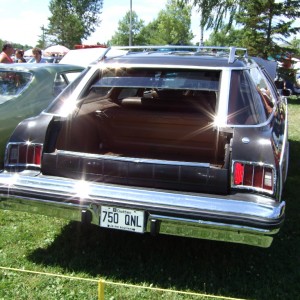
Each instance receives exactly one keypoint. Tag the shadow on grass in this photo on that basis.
(294, 99)
(230, 270)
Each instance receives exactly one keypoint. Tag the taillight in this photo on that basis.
(24, 154)
(238, 173)
(252, 175)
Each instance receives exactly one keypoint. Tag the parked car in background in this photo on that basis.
(82, 57)
(27, 89)
(88, 56)
(188, 141)
(47, 59)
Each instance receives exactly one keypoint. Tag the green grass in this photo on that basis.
(50, 245)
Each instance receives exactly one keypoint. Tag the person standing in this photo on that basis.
(37, 54)
(5, 56)
(20, 56)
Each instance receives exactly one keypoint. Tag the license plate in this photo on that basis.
(122, 219)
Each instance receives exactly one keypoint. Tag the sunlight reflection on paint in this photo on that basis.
(219, 121)
(31, 124)
(264, 142)
(13, 179)
(68, 107)
(82, 189)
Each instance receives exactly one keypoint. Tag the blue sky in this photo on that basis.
(21, 20)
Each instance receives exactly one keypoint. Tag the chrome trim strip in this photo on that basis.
(284, 150)
(213, 231)
(89, 192)
(222, 111)
(134, 159)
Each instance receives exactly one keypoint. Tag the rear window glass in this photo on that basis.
(12, 84)
(160, 79)
(121, 83)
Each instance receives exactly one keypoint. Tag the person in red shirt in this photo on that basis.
(5, 56)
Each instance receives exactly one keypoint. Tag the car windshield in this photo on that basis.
(13, 83)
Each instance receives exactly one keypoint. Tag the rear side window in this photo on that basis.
(264, 90)
(60, 101)
(60, 83)
(245, 102)
(13, 83)
(62, 80)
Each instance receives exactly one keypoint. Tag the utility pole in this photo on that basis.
(130, 25)
(43, 36)
(201, 28)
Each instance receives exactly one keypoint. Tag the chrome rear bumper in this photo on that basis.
(240, 218)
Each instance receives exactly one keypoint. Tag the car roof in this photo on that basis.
(183, 56)
(176, 59)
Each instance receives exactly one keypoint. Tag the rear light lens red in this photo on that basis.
(251, 175)
(258, 178)
(24, 154)
(248, 175)
(238, 173)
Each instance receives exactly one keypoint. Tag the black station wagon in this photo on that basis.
(187, 141)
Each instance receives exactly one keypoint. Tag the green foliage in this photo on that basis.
(215, 13)
(264, 26)
(268, 22)
(73, 20)
(295, 45)
(44, 39)
(121, 37)
(225, 37)
(172, 27)
(15, 45)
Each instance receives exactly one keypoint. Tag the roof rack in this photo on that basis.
(230, 52)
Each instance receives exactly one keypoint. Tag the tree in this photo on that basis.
(268, 23)
(214, 14)
(263, 26)
(44, 39)
(15, 45)
(172, 26)
(121, 37)
(295, 44)
(225, 37)
(150, 34)
(73, 20)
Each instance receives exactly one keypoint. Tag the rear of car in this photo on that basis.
(173, 142)
(27, 89)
